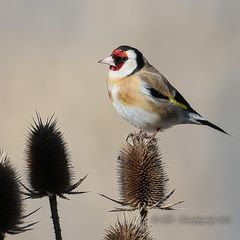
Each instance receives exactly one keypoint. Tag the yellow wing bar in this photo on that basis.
(175, 102)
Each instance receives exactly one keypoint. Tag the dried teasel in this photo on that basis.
(127, 230)
(49, 167)
(141, 176)
(11, 205)
(48, 161)
(142, 179)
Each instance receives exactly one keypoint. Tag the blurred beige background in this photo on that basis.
(48, 62)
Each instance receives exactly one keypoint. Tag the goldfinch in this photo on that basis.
(143, 96)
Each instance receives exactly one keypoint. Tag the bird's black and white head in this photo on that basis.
(124, 61)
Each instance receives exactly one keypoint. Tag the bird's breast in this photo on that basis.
(128, 92)
(131, 104)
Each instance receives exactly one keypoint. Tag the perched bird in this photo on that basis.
(143, 96)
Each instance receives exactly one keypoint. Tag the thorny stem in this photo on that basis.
(55, 217)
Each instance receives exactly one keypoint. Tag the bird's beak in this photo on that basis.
(108, 60)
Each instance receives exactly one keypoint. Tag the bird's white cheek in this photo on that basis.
(131, 65)
(124, 71)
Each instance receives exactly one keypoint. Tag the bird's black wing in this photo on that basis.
(178, 99)
(156, 94)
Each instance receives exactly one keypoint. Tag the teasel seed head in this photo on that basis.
(127, 230)
(11, 207)
(142, 179)
(48, 161)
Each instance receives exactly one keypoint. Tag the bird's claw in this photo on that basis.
(141, 134)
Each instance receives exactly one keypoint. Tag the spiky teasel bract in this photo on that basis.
(11, 206)
(127, 230)
(48, 160)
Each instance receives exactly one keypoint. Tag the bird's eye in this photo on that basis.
(117, 59)
(120, 59)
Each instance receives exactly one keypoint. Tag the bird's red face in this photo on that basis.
(119, 58)
(116, 60)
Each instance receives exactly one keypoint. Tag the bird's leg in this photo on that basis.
(142, 133)
(139, 133)
(134, 135)
(154, 135)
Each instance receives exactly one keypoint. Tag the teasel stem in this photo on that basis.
(143, 214)
(55, 217)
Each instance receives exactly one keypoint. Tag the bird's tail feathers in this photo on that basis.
(198, 119)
